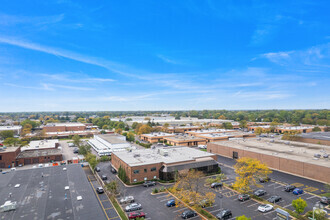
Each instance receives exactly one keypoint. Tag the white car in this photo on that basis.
(265, 208)
(133, 207)
(127, 199)
(202, 146)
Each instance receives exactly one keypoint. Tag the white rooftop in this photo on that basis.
(206, 131)
(158, 134)
(140, 157)
(10, 128)
(64, 124)
(41, 144)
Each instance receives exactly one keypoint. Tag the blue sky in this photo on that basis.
(164, 55)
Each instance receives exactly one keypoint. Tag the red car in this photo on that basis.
(134, 215)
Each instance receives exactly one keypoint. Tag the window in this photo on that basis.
(0, 157)
(136, 171)
(145, 170)
(153, 169)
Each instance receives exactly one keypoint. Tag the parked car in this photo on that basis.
(76, 151)
(133, 207)
(113, 171)
(71, 145)
(224, 214)
(97, 169)
(243, 197)
(127, 199)
(297, 191)
(104, 177)
(99, 190)
(149, 183)
(274, 199)
(188, 214)
(325, 200)
(205, 203)
(170, 203)
(260, 192)
(289, 188)
(265, 208)
(264, 179)
(217, 184)
(134, 215)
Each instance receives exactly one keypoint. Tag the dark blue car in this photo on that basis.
(170, 203)
(297, 191)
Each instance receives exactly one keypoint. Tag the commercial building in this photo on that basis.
(315, 138)
(162, 163)
(208, 131)
(211, 137)
(185, 140)
(307, 160)
(63, 127)
(8, 156)
(50, 193)
(15, 129)
(263, 127)
(155, 137)
(42, 144)
(301, 129)
(39, 156)
(105, 144)
(182, 129)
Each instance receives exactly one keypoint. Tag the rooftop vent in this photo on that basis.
(136, 155)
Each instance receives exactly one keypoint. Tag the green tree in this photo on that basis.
(227, 125)
(84, 149)
(76, 140)
(243, 217)
(91, 159)
(9, 142)
(316, 129)
(130, 136)
(299, 205)
(113, 187)
(258, 131)
(6, 134)
(243, 124)
(134, 125)
(122, 175)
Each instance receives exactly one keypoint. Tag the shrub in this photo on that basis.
(155, 190)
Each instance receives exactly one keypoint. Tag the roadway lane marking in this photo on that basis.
(253, 204)
(311, 197)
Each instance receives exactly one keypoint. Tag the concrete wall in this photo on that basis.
(307, 170)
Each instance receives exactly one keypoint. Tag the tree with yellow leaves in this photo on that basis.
(249, 170)
(258, 131)
(144, 129)
(190, 189)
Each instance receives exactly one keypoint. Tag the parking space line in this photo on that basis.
(269, 212)
(163, 200)
(287, 206)
(272, 184)
(253, 204)
(161, 196)
(278, 187)
(105, 200)
(311, 197)
(114, 218)
(180, 209)
(215, 210)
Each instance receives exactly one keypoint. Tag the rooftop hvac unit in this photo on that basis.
(163, 152)
(8, 206)
(136, 155)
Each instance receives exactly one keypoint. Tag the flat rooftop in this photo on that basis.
(10, 128)
(8, 149)
(206, 131)
(40, 144)
(295, 127)
(113, 138)
(40, 197)
(158, 134)
(39, 153)
(286, 149)
(184, 138)
(64, 124)
(140, 157)
(183, 127)
(230, 134)
(317, 135)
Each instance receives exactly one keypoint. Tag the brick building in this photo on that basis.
(162, 163)
(182, 129)
(155, 137)
(8, 156)
(185, 140)
(212, 137)
(39, 156)
(291, 157)
(208, 131)
(62, 127)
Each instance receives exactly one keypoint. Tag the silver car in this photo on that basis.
(127, 199)
(133, 207)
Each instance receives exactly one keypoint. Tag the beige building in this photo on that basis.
(185, 140)
(155, 137)
(208, 131)
(306, 160)
(212, 137)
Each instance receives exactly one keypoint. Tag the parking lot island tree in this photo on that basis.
(190, 189)
(249, 170)
(243, 217)
(299, 205)
(76, 140)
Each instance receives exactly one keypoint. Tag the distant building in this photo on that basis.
(63, 130)
(322, 138)
(185, 140)
(63, 127)
(162, 163)
(182, 129)
(155, 137)
(208, 131)
(42, 144)
(212, 137)
(106, 144)
(16, 129)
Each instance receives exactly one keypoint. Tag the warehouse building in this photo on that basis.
(15, 129)
(208, 131)
(292, 157)
(8, 156)
(185, 140)
(162, 163)
(155, 137)
(212, 137)
(182, 129)
(315, 138)
(105, 144)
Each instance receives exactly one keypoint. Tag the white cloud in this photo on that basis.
(168, 60)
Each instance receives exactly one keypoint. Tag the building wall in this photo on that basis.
(186, 143)
(313, 141)
(64, 128)
(286, 165)
(8, 158)
(40, 159)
